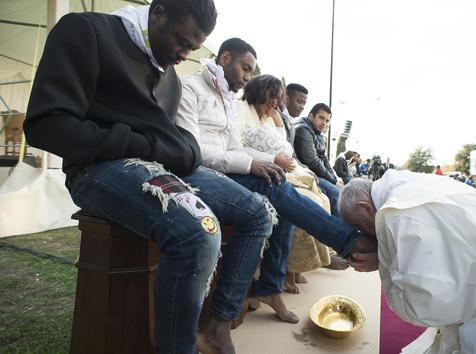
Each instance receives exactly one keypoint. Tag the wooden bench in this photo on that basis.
(114, 307)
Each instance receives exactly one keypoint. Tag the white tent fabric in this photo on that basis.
(23, 27)
(34, 200)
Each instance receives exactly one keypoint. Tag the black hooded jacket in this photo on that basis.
(97, 97)
(310, 149)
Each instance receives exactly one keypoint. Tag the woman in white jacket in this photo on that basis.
(264, 137)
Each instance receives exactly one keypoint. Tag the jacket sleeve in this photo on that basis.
(237, 153)
(307, 154)
(340, 168)
(61, 95)
(232, 160)
(427, 268)
(329, 169)
(259, 155)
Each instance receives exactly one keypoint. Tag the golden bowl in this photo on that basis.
(337, 315)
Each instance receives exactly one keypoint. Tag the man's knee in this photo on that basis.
(284, 187)
(202, 234)
(282, 192)
(188, 228)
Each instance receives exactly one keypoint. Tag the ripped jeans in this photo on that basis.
(148, 200)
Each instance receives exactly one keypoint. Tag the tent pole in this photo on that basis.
(56, 10)
(329, 138)
(35, 58)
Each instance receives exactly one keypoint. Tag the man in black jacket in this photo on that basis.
(310, 149)
(105, 99)
(341, 166)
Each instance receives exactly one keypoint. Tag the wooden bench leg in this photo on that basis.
(114, 306)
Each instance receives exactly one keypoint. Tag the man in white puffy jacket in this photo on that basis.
(425, 226)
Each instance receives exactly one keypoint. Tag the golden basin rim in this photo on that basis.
(334, 332)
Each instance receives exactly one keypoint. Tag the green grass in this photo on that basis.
(60, 242)
(37, 293)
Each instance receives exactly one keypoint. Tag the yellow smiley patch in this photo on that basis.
(209, 225)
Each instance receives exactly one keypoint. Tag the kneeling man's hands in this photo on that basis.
(364, 262)
(364, 256)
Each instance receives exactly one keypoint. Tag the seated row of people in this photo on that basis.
(165, 160)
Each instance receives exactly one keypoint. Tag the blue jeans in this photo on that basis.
(296, 209)
(332, 192)
(187, 234)
(347, 178)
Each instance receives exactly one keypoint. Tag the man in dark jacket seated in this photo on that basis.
(310, 149)
(341, 166)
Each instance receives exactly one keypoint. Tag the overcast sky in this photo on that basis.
(404, 71)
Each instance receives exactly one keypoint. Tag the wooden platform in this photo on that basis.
(262, 333)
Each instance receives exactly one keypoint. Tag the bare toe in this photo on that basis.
(291, 288)
(215, 338)
(276, 302)
(338, 263)
(300, 279)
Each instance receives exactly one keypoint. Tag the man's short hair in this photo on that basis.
(235, 46)
(297, 88)
(320, 106)
(202, 11)
(349, 154)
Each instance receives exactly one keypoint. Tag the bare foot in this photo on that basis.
(276, 302)
(338, 263)
(215, 338)
(253, 304)
(290, 283)
(300, 279)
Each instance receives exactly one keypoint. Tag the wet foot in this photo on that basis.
(338, 263)
(290, 283)
(215, 338)
(276, 302)
(300, 279)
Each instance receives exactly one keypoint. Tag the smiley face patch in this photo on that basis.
(209, 225)
(199, 210)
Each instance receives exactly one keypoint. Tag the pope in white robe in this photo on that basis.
(426, 231)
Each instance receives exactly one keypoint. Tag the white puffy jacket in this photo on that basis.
(202, 112)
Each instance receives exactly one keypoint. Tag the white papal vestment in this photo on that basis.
(426, 230)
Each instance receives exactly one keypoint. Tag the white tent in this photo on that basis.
(34, 200)
(23, 30)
